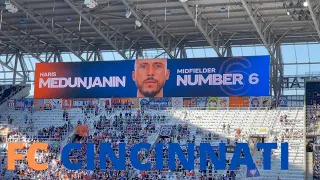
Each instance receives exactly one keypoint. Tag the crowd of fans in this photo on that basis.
(110, 125)
(312, 119)
(127, 126)
(123, 124)
(53, 133)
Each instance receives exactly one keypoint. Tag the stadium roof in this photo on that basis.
(41, 26)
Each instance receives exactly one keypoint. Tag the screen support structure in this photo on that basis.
(276, 73)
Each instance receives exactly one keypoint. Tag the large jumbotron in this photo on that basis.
(214, 73)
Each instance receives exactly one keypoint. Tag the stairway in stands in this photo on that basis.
(309, 168)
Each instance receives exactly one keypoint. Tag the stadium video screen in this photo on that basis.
(148, 78)
(313, 107)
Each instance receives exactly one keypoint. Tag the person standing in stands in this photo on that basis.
(309, 147)
(228, 128)
(26, 118)
(150, 77)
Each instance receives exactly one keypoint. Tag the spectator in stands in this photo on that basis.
(10, 120)
(252, 146)
(26, 119)
(309, 147)
(228, 128)
(281, 118)
(265, 103)
(238, 132)
(131, 128)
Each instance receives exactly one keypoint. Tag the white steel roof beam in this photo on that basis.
(26, 43)
(204, 30)
(20, 46)
(265, 33)
(43, 23)
(259, 28)
(97, 29)
(161, 40)
(263, 29)
(315, 19)
(6, 65)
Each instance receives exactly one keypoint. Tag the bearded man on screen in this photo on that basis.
(150, 76)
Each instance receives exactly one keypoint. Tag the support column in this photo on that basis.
(139, 53)
(24, 68)
(179, 51)
(276, 72)
(97, 55)
(57, 57)
(281, 75)
(272, 70)
(183, 53)
(4, 72)
(17, 56)
(229, 50)
(100, 57)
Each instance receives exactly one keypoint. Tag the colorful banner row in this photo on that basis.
(222, 102)
(158, 103)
